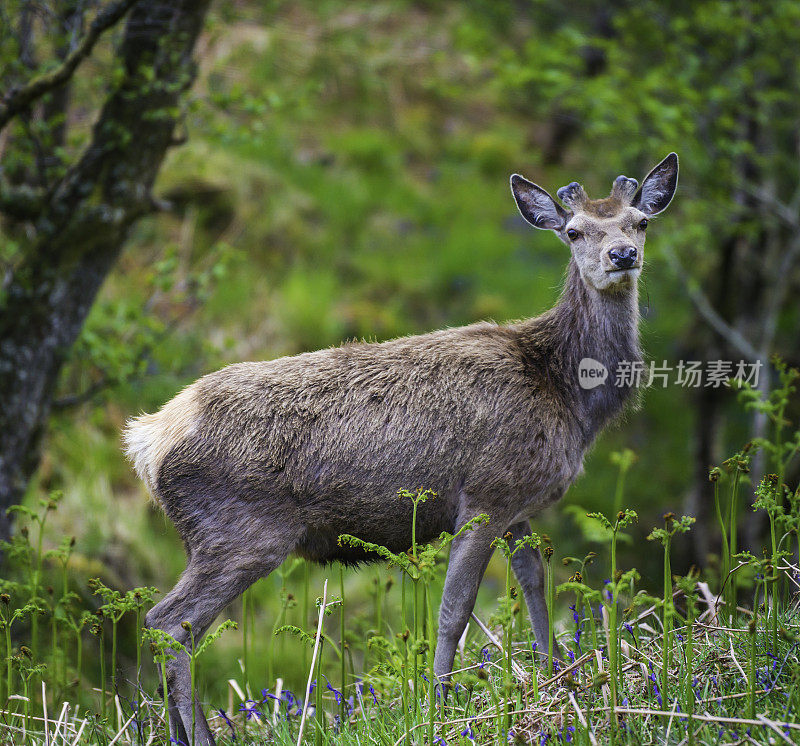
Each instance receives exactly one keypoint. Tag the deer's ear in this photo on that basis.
(659, 187)
(537, 206)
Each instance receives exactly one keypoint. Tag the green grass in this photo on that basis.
(708, 660)
(353, 174)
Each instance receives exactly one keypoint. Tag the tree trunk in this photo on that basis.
(82, 227)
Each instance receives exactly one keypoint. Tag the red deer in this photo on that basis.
(261, 460)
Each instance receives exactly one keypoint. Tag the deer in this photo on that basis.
(262, 460)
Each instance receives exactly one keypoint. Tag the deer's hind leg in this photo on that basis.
(527, 565)
(213, 578)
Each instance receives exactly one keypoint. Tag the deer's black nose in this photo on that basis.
(623, 257)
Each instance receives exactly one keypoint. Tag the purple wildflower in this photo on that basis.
(372, 692)
(336, 693)
(628, 628)
(656, 692)
(228, 722)
(469, 732)
(250, 708)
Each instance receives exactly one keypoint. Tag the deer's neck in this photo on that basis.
(587, 324)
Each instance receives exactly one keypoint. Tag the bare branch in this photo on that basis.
(780, 287)
(785, 212)
(703, 305)
(18, 99)
(73, 400)
(107, 381)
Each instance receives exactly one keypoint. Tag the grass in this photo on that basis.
(708, 660)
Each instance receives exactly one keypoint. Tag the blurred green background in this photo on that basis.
(346, 176)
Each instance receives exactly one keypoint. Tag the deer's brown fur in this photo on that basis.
(259, 460)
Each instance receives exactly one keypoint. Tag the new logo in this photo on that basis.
(591, 373)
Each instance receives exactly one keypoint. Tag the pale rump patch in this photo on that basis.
(149, 437)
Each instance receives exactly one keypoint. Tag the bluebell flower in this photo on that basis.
(628, 628)
(228, 722)
(291, 702)
(337, 695)
(372, 692)
(543, 738)
(250, 708)
(440, 740)
(571, 656)
(469, 732)
(656, 692)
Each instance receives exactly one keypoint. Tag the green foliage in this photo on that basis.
(345, 176)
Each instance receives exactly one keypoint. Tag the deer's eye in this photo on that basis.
(643, 224)
(572, 234)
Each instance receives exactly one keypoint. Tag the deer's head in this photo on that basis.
(606, 236)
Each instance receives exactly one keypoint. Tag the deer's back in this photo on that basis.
(326, 439)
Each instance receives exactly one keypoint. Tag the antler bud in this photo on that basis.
(624, 189)
(572, 195)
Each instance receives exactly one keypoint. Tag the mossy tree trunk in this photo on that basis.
(70, 230)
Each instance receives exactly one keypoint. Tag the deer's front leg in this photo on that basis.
(527, 566)
(469, 556)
